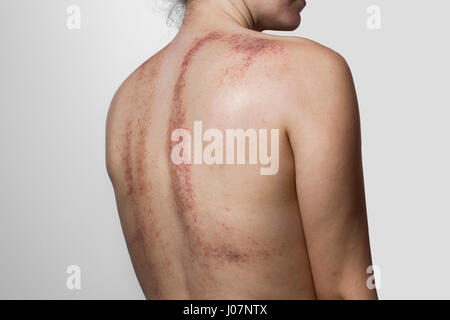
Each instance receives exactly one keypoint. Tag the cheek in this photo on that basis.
(267, 6)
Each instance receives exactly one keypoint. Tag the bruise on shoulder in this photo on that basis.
(249, 49)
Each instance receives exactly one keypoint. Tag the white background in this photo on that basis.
(57, 206)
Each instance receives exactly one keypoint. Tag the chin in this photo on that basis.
(286, 22)
(296, 23)
(290, 24)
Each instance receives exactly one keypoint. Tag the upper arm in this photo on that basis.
(324, 132)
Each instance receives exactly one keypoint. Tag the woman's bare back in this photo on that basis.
(235, 158)
(208, 230)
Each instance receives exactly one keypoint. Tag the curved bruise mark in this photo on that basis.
(251, 48)
(182, 184)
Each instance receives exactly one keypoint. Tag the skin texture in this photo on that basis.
(225, 231)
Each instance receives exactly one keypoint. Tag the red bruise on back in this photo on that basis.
(175, 230)
(246, 45)
(136, 131)
(135, 156)
(250, 48)
(184, 194)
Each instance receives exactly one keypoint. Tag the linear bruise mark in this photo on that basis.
(136, 153)
(202, 248)
(182, 184)
(137, 127)
(252, 47)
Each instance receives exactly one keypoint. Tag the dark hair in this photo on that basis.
(176, 12)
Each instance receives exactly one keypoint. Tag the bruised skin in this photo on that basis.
(182, 244)
(136, 150)
(136, 131)
(250, 49)
(204, 248)
(248, 46)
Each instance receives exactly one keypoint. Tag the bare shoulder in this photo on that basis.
(115, 126)
(320, 84)
(144, 73)
(312, 68)
(132, 92)
(312, 60)
(134, 88)
(121, 101)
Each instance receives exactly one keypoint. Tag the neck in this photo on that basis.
(217, 15)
